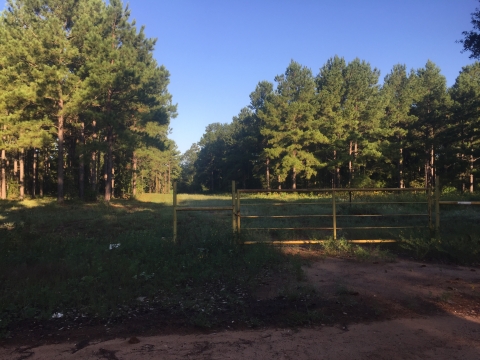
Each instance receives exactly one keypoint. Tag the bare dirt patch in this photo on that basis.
(342, 309)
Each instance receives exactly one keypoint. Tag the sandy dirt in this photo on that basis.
(433, 310)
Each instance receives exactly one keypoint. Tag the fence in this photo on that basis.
(177, 208)
(334, 203)
(438, 202)
(432, 203)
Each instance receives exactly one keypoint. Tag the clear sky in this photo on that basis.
(218, 50)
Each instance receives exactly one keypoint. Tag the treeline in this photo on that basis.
(84, 106)
(341, 128)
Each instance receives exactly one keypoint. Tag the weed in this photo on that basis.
(367, 253)
(337, 247)
(419, 246)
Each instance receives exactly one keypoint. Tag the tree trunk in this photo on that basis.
(134, 176)
(41, 174)
(294, 178)
(93, 161)
(268, 173)
(350, 152)
(15, 165)
(108, 167)
(427, 173)
(81, 164)
(294, 174)
(60, 134)
(3, 179)
(471, 173)
(432, 166)
(22, 173)
(279, 183)
(400, 170)
(336, 175)
(34, 174)
(105, 162)
(165, 182)
(355, 154)
(93, 171)
(169, 177)
(113, 181)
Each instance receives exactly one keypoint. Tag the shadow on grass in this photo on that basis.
(59, 259)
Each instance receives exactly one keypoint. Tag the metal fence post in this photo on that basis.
(175, 211)
(437, 205)
(334, 215)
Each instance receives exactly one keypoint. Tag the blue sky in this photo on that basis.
(218, 50)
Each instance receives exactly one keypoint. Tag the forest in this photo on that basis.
(84, 106)
(85, 112)
(342, 128)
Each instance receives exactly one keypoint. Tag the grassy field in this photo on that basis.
(111, 262)
(59, 259)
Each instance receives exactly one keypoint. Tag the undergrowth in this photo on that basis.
(343, 247)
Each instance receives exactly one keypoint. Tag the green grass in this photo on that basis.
(347, 215)
(458, 239)
(57, 258)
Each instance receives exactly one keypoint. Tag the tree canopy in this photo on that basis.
(82, 98)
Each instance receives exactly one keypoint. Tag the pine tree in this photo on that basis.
(399, 90)
(471, 40)
(464, 128)
(432, 110)
(330, 97)
(124, 90)
(362, 110)
(41, 47)
(263, 91)
(290, 125)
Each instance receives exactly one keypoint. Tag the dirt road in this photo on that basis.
(434, 315)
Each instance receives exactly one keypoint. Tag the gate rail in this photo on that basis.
(333, 215)
(177, 208)
(433, 205)
(438, 203)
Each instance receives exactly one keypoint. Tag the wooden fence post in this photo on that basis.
(437, 205)
(238, 212)
(174, 211)
(334, 215)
